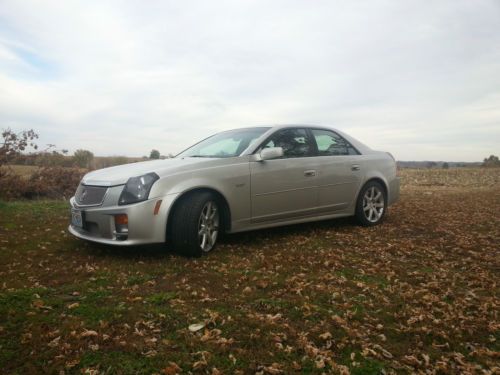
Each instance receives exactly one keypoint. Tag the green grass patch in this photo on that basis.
(364, 365)
(14, 306)
(289, 309)
(98, 305)
(427, 270)
(353, 275)
(99, 281)
(121, 362)
(272, 304)
(368, 366)
(19, 301)
(34, 207)
(161, 298)
(138, 279)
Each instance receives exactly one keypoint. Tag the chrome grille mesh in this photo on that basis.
(90, 195)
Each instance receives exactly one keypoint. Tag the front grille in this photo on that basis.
(90, 195)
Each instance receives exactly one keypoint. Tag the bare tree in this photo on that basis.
(13, 143)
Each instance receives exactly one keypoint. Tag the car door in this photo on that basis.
(339, 171)
(285, 188)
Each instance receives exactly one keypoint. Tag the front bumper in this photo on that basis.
(394, 187)
(144, 226)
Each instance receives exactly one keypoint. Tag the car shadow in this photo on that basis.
(138, 252)
(163, 251)
(274, 234)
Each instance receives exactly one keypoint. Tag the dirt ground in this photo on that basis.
(417, 294)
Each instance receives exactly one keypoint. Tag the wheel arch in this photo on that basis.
(360, 212)
(372, 178)
(226, 211)
(380, 181)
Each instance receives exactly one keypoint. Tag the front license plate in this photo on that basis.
(76, 218)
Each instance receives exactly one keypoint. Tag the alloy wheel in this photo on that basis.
(208, 226)
(373, 204)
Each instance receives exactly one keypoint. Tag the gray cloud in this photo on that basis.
(421, 80)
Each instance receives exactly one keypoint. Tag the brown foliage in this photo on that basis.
(48, 182)
(11, 184)
(54, 182)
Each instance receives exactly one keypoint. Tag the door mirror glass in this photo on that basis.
(271, 153)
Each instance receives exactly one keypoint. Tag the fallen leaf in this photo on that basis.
(88, 333)
(196, 327)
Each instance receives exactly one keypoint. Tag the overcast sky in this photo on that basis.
(419, 79)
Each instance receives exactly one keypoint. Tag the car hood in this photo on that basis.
(119, 174)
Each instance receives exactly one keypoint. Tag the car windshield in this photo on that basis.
(224, 145)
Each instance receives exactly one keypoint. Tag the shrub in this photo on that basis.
(53, 159)
(491, 162)
(155, 154)
(110, 161)
(49, 182)
(12, 185)
(54, 182)
(83, 158)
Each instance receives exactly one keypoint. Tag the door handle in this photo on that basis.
(355, 167)
(310, 173)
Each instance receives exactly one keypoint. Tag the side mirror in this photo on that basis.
(271, 153)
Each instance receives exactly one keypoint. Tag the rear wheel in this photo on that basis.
(371, 204)
(196, 224)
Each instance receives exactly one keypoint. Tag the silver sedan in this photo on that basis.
(236, 181)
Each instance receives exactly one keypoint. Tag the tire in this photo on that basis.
(196, 224)
(371, 204)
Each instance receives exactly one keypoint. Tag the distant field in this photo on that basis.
(451, 178)
(417, 294)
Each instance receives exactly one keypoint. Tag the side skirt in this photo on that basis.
(244, 227)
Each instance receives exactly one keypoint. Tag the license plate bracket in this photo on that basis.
(77, 218)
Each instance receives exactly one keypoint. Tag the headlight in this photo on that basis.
(137, 189)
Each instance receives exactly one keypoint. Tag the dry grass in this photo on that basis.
(416, 294)
(461, 178)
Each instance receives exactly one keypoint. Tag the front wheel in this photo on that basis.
(371, 204)
(196, 224)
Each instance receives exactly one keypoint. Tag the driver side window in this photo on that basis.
(295, 142)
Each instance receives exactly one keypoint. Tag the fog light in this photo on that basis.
(121, 219)
(121, 223)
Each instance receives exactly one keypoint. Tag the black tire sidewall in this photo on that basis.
(185, 223)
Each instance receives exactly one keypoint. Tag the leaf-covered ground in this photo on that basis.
(418, 293)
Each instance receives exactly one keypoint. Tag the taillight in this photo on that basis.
(396, 169)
